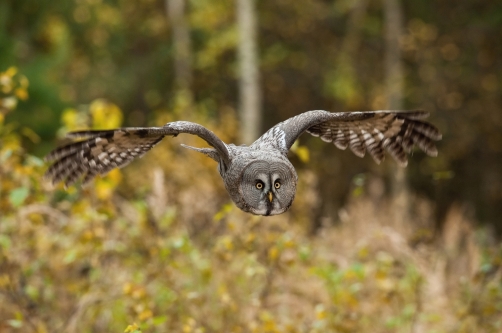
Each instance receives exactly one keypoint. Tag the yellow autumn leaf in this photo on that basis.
(69, 118)
(105, 114)
(36, 219)
(320, 312)
(4, 281)
(87, 235)
(11, 71)
(289, 243)
(223, 212)
(114, 176)
(21, 93)
(41, 328)
(12, 142)
(79, 207)
(106, 185)
(103, 189)
(273, 253)
(145, 314)
(132, 328)
(127, 288)
(302, 152)
(227, 243)
(268, 322)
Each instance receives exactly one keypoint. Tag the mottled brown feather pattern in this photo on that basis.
(394, 132)
(101, 152)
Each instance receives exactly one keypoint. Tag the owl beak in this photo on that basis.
(270, 196)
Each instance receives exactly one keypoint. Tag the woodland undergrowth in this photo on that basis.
(159, 247)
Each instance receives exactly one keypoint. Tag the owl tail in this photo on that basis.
(209, 152)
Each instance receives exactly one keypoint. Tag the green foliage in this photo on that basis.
(148, 249)
(13, 87)
(89, 259)
(134, 328)
(313, 55)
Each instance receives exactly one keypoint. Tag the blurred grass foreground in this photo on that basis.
(156, 254)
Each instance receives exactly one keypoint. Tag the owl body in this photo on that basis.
(259, 178)
(259, 181)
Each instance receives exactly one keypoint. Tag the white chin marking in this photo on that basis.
(262, 211)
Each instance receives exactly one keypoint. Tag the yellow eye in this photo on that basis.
(259, 185)
(277, 185)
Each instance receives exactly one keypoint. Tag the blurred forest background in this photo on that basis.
(158, 246)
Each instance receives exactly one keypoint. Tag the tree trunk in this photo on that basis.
(249, 75)
(395, 86)
(182, 44)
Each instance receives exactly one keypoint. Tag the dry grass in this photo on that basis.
(174, 255)
(88, 265)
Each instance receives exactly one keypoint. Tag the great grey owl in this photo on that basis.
(259, 178)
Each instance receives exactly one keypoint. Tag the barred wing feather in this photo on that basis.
(394, 132)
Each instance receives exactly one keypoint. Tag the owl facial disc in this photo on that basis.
(268, 187)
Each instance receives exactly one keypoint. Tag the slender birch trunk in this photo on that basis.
(249, 75)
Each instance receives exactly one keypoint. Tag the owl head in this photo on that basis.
(266, 186)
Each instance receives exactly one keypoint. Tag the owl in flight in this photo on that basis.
(259, 178)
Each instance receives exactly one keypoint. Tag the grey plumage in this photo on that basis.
(259, 178)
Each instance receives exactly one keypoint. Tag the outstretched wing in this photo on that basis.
(101, 151)
(396, 132)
